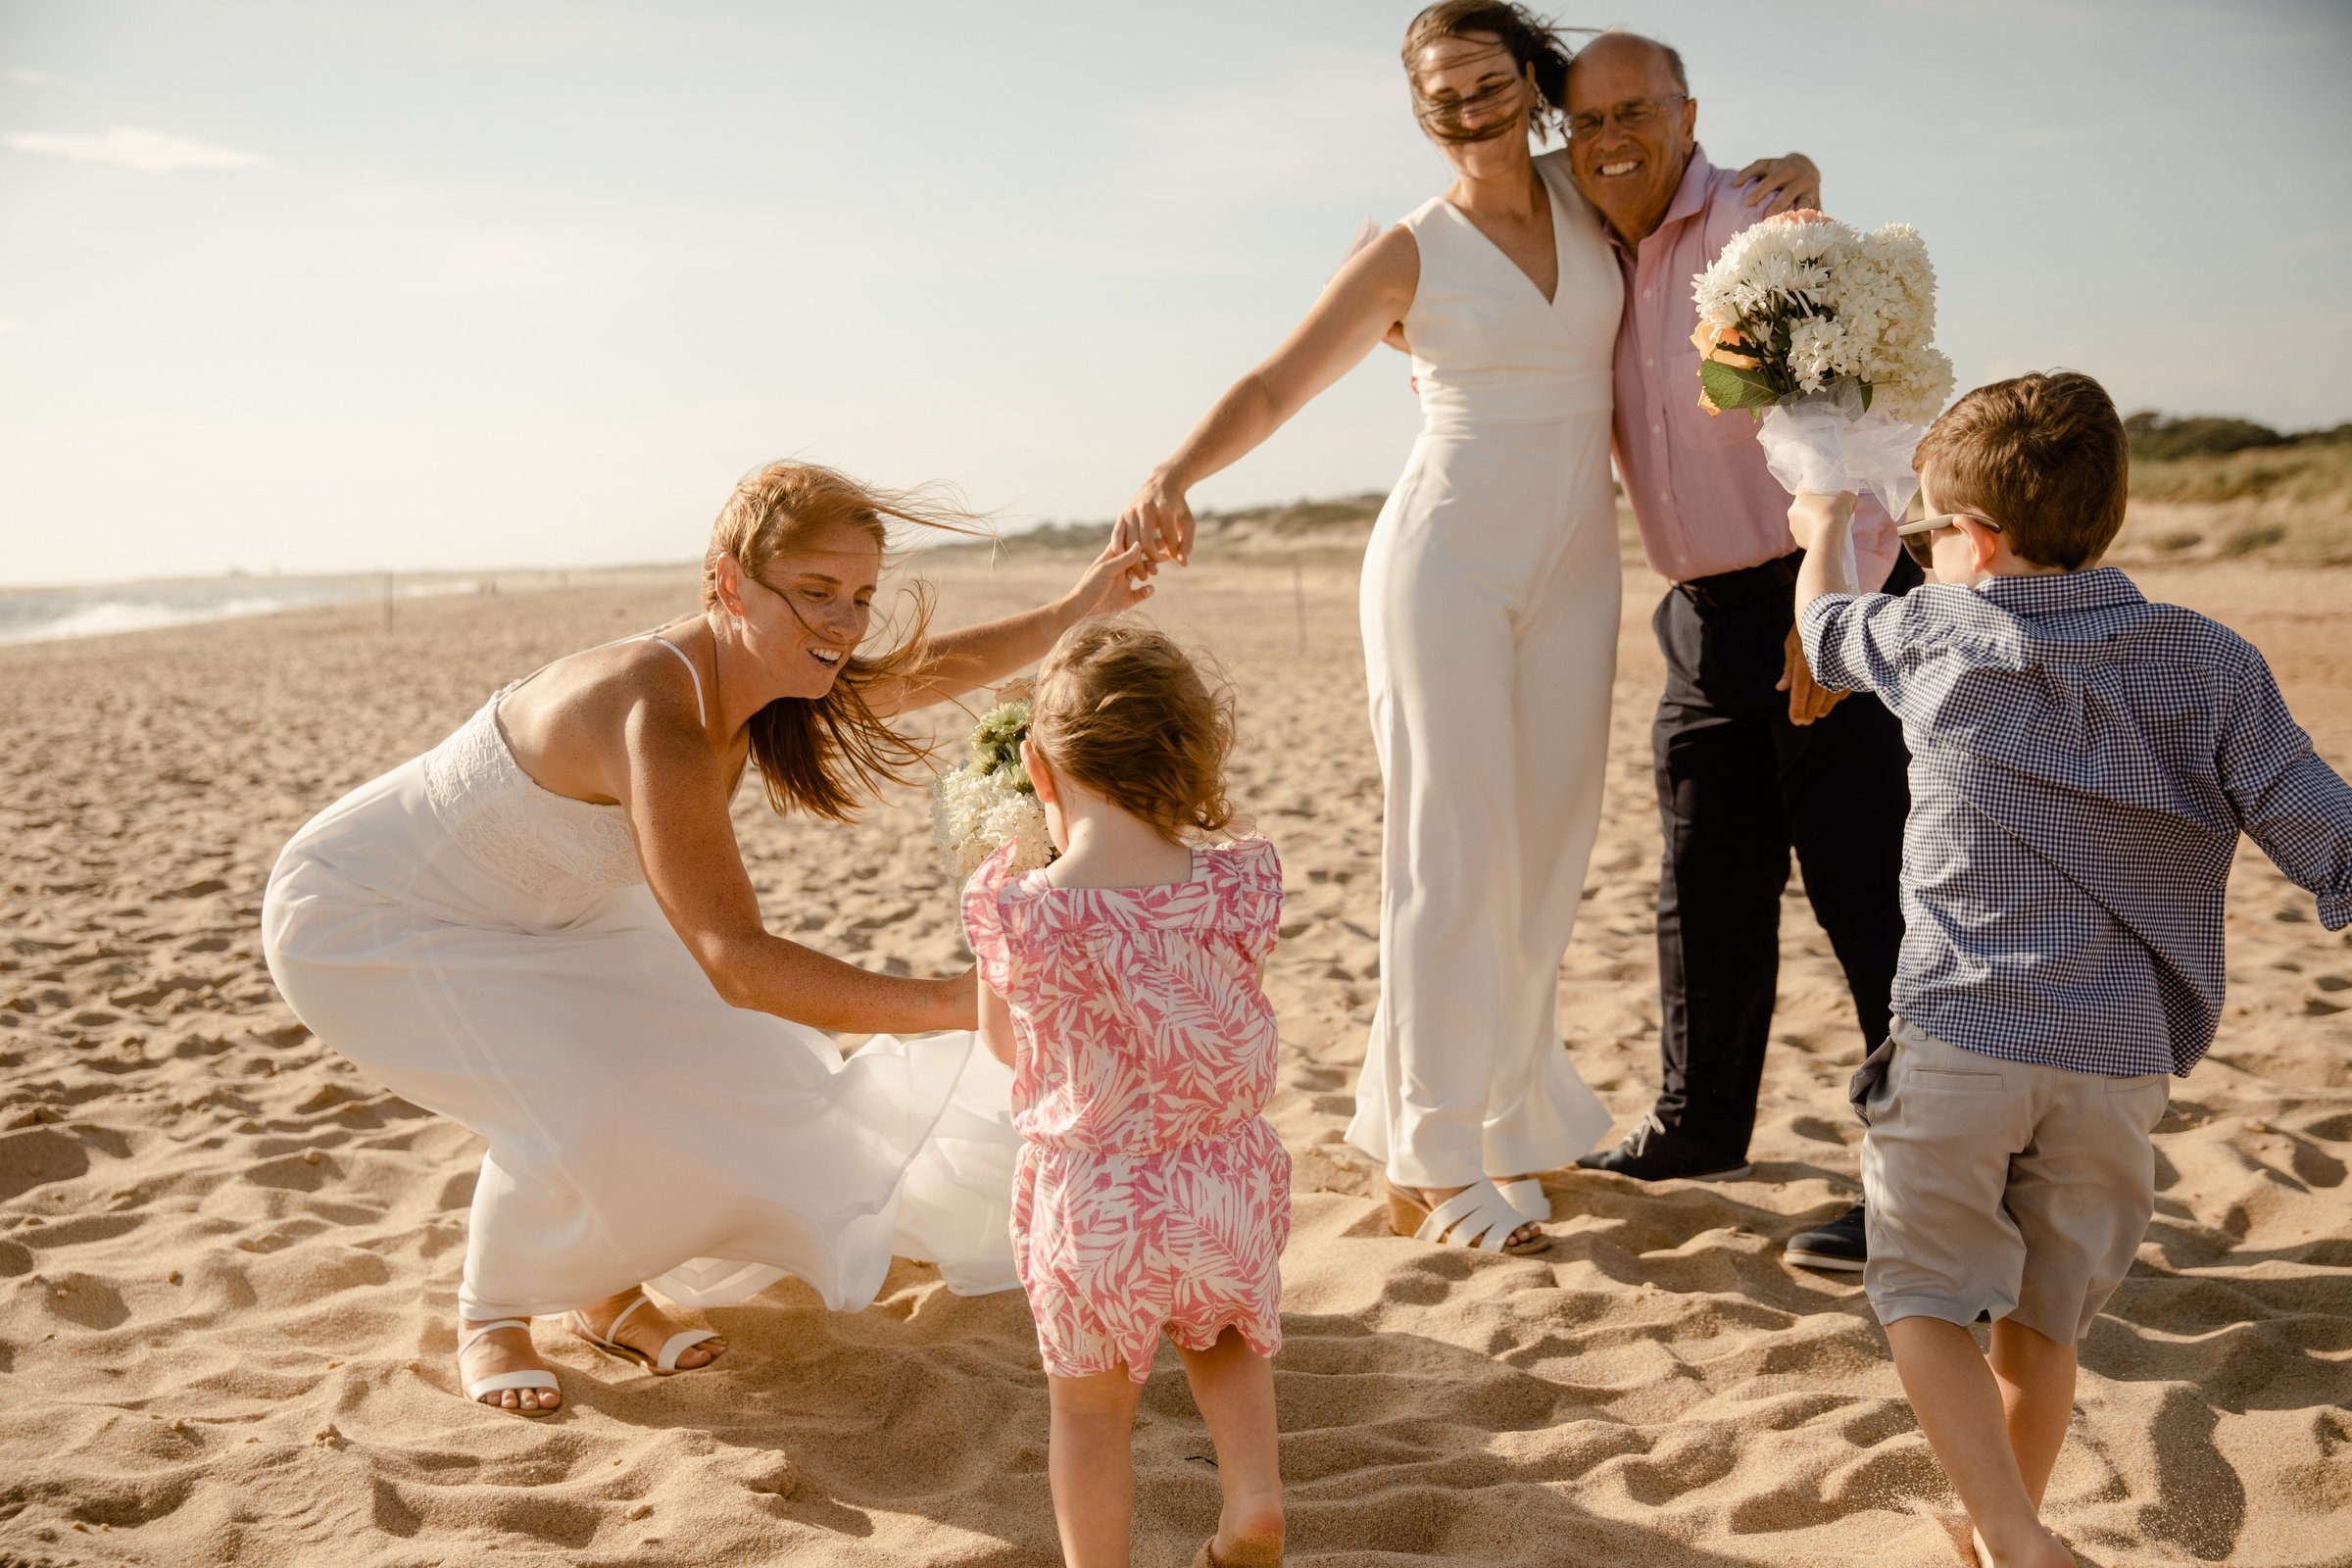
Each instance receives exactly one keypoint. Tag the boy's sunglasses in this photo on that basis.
(1918, 543)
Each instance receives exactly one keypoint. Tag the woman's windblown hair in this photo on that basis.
(1534, 44)
(829, 754)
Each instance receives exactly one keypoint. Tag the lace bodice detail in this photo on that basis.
(546, 843)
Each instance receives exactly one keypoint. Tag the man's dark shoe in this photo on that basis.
(1839, 1244)
(1652, 1153)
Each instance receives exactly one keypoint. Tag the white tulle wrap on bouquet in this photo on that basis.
(1827, 334)
(1821, 444)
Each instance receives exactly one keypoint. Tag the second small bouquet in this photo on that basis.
(986, 801)
(1828, 334)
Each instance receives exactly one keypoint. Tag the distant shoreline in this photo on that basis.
(2290, 508)
(73, 613)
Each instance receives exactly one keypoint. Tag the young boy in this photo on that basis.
(2083, 761)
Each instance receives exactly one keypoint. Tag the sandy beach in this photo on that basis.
(227, 1260)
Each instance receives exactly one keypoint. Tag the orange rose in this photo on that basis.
(1718, 343)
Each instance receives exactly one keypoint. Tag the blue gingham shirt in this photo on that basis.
(2082, 764)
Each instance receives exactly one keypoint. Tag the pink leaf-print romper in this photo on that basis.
(1149, 1194)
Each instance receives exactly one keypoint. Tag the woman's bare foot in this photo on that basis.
(647, 1329)
(1432, 1197)
(505, 1350)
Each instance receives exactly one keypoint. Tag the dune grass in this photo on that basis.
(2292, 505)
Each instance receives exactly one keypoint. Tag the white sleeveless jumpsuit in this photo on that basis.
(1489, 604)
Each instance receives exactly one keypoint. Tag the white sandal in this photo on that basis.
(1526, 1198)
(661, 1366)
(1478, 1217)
(500, 1382)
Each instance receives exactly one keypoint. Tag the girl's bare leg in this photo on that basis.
(1091, 1462)
(1234, 1386)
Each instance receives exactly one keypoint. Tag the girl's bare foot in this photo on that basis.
(505, 1350)
(1248, 1539)
(648, 1328)
(2043, 1549)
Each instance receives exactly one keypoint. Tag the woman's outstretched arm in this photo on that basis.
(971, 657)
(675, 793)
(1364, 301)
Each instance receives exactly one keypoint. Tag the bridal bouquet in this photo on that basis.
(987, 802)
(1830, 332)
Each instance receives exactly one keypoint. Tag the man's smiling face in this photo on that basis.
(1629, 171)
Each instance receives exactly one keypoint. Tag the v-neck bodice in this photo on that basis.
(1487, 347)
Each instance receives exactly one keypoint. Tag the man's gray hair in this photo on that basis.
(1674, 56)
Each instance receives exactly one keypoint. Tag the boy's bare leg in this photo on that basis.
(2036, 1378)
(1958, 1405)
(1090, 1459)
(1234, 1386)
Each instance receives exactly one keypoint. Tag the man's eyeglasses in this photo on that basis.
(1917, 537)
(1634, 114)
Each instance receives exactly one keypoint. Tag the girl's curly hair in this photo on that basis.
(1121, 710)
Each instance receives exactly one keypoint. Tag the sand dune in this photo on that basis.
(226, 1261)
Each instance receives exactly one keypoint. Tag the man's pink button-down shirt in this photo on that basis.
(1697, 482)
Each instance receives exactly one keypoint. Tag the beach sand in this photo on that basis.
(227, 1260)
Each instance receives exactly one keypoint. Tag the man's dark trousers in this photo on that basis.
(1739, 787)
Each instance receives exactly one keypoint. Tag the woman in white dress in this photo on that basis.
(543, 929)
(1489, 606)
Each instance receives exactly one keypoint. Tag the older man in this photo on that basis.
(1752, 758)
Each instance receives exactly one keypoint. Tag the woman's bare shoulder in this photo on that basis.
(1389, 267)
(572, 725)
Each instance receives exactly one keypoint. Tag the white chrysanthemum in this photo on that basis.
(975, 813)
(1858, 307)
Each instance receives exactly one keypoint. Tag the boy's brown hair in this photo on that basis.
(1122, 710)
(2043, 456)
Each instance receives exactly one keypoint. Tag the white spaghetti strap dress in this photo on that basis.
(489, 950)
(1490, 606)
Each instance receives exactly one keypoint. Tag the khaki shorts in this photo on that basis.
(2008, 1188)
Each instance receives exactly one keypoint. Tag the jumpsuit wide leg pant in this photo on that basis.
(1490, 615)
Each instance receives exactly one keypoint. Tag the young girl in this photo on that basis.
(1121, 986)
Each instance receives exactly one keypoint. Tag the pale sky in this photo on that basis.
(329, 287)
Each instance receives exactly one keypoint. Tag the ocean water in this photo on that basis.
(43, 615)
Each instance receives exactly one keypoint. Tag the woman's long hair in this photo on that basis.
(1533, 42)
(830, 755)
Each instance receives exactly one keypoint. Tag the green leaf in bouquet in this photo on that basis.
(1731, 388)
(1865, 386)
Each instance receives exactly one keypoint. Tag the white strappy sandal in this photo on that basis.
(1478, 1217)
(1527, 1199)
(661, 1365)
(500, 1382)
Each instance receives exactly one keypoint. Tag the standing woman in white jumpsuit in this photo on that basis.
(1489, 609)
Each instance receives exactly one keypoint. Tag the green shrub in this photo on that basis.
(2157, 436)
(2246, 541)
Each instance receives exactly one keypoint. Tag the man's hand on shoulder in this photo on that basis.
(1781, 185)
